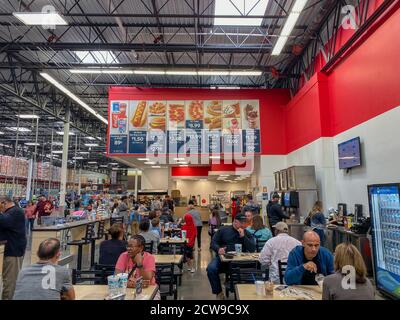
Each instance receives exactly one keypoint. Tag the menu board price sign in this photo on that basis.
(184, 126)
(118, 144)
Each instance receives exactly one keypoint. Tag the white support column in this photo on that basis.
(64, 164)
(29, 181)
(79, 181)
(136, 183)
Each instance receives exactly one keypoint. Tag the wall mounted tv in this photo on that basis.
(349, 153)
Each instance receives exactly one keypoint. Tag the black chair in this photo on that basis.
(90, 233)
(166, 281)
(99, 235)
(148, 246)
(116, 220)
(171, 248)
(282, 268)
(243, 272)
(260, 244)
(97, 277)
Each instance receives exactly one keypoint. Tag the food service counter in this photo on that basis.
(179, 212)
(64, 232)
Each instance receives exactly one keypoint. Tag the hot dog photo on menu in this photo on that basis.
(138, 115)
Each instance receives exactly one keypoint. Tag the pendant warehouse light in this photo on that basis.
(91, 145)
(20, 129)
(40, 18)
(173, 72)
(289, 25)
(61, 133)
(28, 116)
(72, 96)
(32, 144)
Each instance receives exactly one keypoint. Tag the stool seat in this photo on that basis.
(78, 242)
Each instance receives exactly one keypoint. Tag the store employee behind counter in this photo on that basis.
(223, 241)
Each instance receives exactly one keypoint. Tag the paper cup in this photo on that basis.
(259, 288)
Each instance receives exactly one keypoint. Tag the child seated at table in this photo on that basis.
(155, 227)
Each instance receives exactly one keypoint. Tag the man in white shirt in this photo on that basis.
(277, 248)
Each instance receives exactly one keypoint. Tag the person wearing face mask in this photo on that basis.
(136, 262)
(308, 260)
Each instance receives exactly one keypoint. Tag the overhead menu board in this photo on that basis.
(183, 126)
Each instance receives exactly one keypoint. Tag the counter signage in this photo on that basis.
(201, 126)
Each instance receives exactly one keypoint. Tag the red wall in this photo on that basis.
(271, 107)
(362, 86)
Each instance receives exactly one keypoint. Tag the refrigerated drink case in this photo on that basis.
(385, 216)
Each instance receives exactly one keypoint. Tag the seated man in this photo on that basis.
(45, 280)
(144, 231)
(277, 248)
(306, 261)
(223, 241)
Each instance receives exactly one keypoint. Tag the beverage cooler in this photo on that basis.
(384, 205)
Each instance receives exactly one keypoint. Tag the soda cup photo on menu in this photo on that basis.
(122, 125)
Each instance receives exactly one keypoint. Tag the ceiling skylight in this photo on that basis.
(100, 57)
(243, 9)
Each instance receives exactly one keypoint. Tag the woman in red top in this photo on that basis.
(233, 208)
(30, 216)
(191, 233)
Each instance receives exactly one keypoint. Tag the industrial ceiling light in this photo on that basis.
(213, 73)
(215, 157)
(20, 129)
(143, 159)
(229, 88)
(184, 165)
(245, 73)
(90, 138)
(57, 151)
(32, 144)
(289, 25)
(40, 18)
(83, 152)
(28, 116)
(61, 133)
(156, 167)
(91, 144)
(72, 96)
(179, 159)
(240, 12)
(181, 73)
(114, 163)
(149, 162)
(100, 71)
(1, 132)
(91, 162)
(156, 72)
(77, 158)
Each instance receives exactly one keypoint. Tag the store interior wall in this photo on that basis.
(155, 179)
(204, 187)
(360, 97)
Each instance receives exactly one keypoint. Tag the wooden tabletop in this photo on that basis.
(169, 240)
(248, 292)
(168, 258)
(245, 256)
(99, 292)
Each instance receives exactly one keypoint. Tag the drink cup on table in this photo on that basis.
(259, 288)
(238, 249)
(269, 288)
(319, 278)
(113, 285)
(122, 282)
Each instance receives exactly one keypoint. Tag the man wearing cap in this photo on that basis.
(277, 248)
(308, 260)
(274, 211)
(223, 241)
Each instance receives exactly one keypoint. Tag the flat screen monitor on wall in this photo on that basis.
(349, 153)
